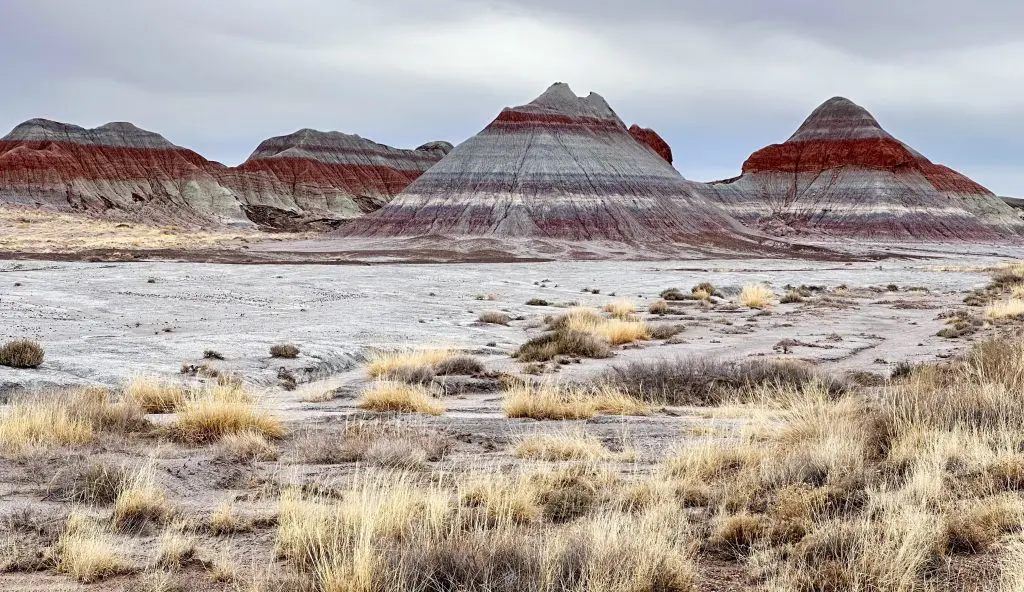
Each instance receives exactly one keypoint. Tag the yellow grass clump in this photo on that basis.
(1006, 309)
(615, 331)
(1017, 292)
(85, 553)
(659, 307)
(620, 309)
(383, 364)
(248, 445)
(155, 395)
(140, 500)
(558, 402)
(209, 414)
(568, 446)
(757, 296)
(38, 422)
(386, 396)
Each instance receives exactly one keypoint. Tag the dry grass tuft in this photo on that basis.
(563, 342)
(42, 422)
(389, 363)
(86, 554)
(176, 549)
(659, 307)
(1012, 308)
(494, 317)
(399, 397)
(21, 353)
(284, 350)
(155, 395)
(757, 296)
(558, 402)
(247, 446)
(384, 444)
(211, 413)
(460, 366)
(141, 501)
(615, 331)
(224, 520)
(620, 309)
(568, 446)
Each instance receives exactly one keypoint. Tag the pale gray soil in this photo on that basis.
(103, 323)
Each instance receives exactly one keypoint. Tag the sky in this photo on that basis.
(717, 79)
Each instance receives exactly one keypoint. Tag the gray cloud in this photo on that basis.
(718, 78)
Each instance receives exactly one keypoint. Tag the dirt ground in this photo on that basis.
(103, 323)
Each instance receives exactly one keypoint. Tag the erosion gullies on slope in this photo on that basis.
(330, 174)
(117, 171)
(842, 175)
(561, 167)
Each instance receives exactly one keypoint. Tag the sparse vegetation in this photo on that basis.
(568, 446)
(248, 445)
(556, 402)
(615, 331)
(659, 307)
(285, 350)
(211, 354)
(494, 317)
(393, 365)
(563, 342)
(705, 381)
(155, 395)
(399, 397)
(1012, 308)
(537, 302)
(141, 501)
(460, 366)
(757, 296)
(21, 353)
(86, 554)
(792, 297)
(620, 309)
(374, 442)
(211, 413)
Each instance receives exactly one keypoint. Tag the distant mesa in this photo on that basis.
(652, 140)
(305, 180)
(842, 175)
(559, 167)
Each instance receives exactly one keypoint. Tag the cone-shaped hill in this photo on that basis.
(561, 167)
(842, 175)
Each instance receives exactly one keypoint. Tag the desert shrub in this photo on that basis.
(756, 296)
(661, 332)
(94, 483)
(399, 397)
(21, 353)
(418, 375)
(285, 350)
(494, 318)
(659, 307)
(674, 294)
(460, 366)
(792, 297)
(705, 381)
(537, 302)
(563, 342)
(211, 354)
(704, 288)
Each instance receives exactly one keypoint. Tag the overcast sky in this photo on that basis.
(717, 78)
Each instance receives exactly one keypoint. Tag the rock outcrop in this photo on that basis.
(561, 167)
(842, 175)
(116, 170)
(326, 175)
(306, 180)
(651, 139)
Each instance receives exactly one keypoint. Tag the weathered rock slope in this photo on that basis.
(842, 175)
(116, 170)
(308, 179)
(330, 174)
(561, 167)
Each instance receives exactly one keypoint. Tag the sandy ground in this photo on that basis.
(102, 323)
